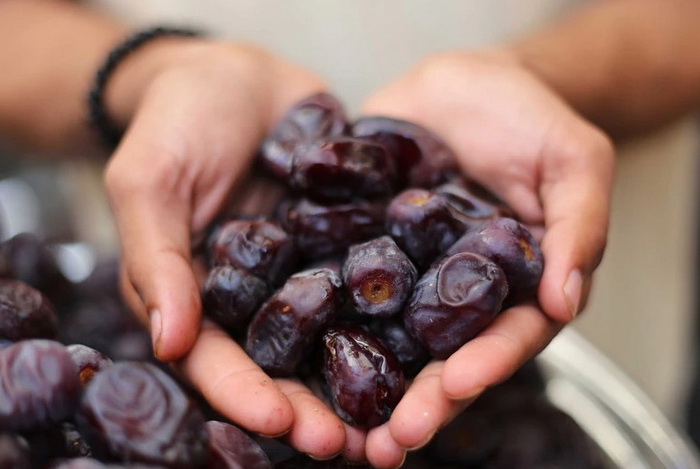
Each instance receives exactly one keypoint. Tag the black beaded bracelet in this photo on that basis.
(97, 115)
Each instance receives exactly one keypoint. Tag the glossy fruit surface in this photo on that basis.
(421, 223)
(260, 247)
(319, 115)
(282, 332)
(363, 378)
(453, 301)
(341, 169)
(422, 159)
(322, 231)
(510, 245)
(378, 277)
(230, 296)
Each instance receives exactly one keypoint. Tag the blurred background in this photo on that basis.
(641, 313)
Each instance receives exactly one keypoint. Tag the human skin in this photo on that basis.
(525, 120)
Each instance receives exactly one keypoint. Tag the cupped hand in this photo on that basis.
(516, 137)
(193, 128)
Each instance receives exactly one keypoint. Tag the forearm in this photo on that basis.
(51, 51)
(628, 66)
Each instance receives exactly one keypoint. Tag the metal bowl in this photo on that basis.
(617, 415)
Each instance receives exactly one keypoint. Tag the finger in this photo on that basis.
(515, 336)
(575, 194)
(154, 229)
(382, 451)
(235, 386)
(316, 430)
(355, 444)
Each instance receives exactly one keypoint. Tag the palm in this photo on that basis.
(517, 138)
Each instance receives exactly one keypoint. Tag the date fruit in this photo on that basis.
(283, 330)
(322, 231)
(231, 448)
(422, 159)
(230, 296)
(133, 411)
(342, 168)
(453, 301)
(422, 225)
(378, 277)
(510, 245)
(88, 361)
(319, 115)
(25, 313)
(39, 385)
(363, 378)
(260, 247)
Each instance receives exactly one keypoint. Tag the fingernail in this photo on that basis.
(422, 443)
(156, 329)
(324, 458)
(572, 292)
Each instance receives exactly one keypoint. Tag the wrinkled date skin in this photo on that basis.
(230, 296)
(470, 204)
(378, 277)
(134, 411)
(393, 335)
(25, 313)
(282, 331)
(453, 301)
(510, 245)
(342, 168)
(329, 230)
(422, 225)
(364, 379)
(39, 385)
(260, 247)
(231, 448)
(319, 115)
(422, 159)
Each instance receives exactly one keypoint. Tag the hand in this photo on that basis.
(517, 138)
(194, 125)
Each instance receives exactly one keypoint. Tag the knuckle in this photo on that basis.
(162, 174)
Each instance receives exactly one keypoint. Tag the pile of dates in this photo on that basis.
(378, 257)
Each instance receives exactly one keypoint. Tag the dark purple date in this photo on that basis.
(282, 332)
(25, 313)
(510, 245)
(378, 277)
(341, 169)
(422, 159)
(260, 247)
(421, 223)
(230, 296)
(453, 301)
(39, 385)
(319, 115)
(88, 361)
(364, 379)
(135, 412)
(328, 230)
(231, 448)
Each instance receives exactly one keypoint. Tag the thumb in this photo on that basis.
(575, 194)
(154, 219)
